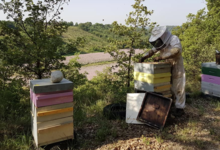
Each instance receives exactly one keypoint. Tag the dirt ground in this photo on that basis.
(198, 129)
(91, 70)
(96, 57)
(93, 58)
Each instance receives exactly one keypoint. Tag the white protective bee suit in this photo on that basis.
(170, 49)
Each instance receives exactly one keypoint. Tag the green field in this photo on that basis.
(93, 43)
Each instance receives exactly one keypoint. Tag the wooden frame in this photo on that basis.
(154, 110)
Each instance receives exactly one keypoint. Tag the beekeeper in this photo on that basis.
(170, 50)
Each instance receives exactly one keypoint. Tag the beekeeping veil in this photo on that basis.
(160, 37)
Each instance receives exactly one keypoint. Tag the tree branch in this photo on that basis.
(55, 14)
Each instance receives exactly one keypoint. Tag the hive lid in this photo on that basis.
(211, 65)
(133, 105)
(46, 86)
(149, 67)
(154, 110)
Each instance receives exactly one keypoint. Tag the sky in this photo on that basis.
(166, 12)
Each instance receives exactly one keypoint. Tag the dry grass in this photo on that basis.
(195, 130)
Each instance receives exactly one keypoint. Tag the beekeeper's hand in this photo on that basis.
(142, 59)
(148, 55)
(157, 59)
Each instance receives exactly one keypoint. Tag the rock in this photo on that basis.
(56, 76)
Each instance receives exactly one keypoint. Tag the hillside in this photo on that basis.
(93, 42)
(98, 29)
(96, 36)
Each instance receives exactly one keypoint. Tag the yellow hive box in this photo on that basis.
(153, 77)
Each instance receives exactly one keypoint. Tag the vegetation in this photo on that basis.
(104, 31)
(99, 63)
(71, 72)
(132, 36)
(199, 38)
(99, 30)
(28, 51)
(34, 44)
(92, 43)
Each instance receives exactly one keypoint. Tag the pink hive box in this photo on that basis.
(47, 99)
(211, 79)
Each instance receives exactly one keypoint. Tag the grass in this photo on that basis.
(124, 125)
(95, 131)
(101, 130)
(98, 63)
(96, 108)
(217, 106)
(20, 142)
(212, 132)
(196, 94)
(93, 43)
(159, 139)
(200, 143)
(201, 110)
(146, 140)
(72, 54)
(15, 136)
(114, 133)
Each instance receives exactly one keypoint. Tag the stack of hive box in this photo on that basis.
(211, 78)
(153, 77)
(52, 111)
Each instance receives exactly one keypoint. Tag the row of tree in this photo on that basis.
(11, 24)
(200, 37)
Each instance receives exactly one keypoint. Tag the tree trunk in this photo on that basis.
(39, 73)
(129, 66)
(129, 70)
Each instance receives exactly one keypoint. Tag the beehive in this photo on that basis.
(153, 77)
(51, 111)
(210, 79)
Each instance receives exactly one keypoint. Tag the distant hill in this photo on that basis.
(96, 35)
(103, 31)
(93, 42)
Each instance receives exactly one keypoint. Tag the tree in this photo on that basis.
(71, 72)
(85, 26)
(213, 22)
(199, 38)
(70, 23)
(131, 36)
(33, 44)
